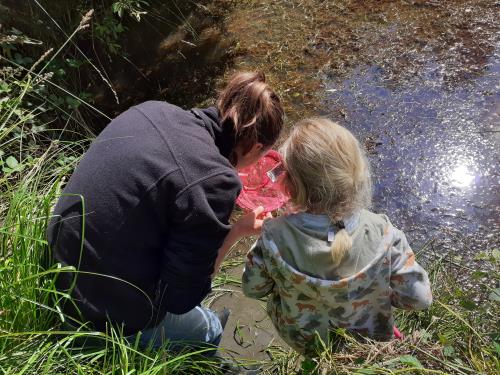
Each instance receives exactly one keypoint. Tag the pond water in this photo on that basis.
(424, 97)
(418, 82)
(433, 148)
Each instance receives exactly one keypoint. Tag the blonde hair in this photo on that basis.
(327, 172)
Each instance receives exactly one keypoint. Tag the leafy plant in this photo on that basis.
(108, 30)
(133, 7)
(11, 165)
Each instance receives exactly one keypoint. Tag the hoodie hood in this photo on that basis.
(354, 286)
(223, 136)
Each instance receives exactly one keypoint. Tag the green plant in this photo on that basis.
(31, 338)
(133, 7)
(108, 30)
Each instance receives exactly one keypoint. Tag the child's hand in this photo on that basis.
(263, 215)
(251, 223)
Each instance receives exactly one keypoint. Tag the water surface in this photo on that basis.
(418, 83)
(434, 149)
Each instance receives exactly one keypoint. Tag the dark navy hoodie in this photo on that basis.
(143, 216)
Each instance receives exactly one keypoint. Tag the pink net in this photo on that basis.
(258, 189)
(397, 333)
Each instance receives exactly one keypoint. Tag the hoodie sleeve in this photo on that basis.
(409, 281)
(256, 281)
(202, 212)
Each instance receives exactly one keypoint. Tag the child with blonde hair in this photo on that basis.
(332, 263)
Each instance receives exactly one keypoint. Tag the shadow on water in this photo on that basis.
(177, 52)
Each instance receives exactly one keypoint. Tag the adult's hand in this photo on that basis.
(248, 225)
(251, 223)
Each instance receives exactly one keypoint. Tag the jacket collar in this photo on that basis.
(318, 223)
(223, 136)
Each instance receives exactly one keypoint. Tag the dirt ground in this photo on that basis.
(248, 332)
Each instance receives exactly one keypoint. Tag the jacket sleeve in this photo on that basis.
(199, 226)
(409, 281)
(256, 281)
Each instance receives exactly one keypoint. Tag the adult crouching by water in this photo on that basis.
(144, 219)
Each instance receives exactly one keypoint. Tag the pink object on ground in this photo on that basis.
(258, 188)
(397, 333)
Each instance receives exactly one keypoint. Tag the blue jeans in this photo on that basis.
(198, 328)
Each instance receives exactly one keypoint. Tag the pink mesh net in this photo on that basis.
(258, 188)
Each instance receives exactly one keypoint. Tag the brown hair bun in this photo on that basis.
(252, 109)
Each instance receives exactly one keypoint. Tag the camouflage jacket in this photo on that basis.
(292, 262)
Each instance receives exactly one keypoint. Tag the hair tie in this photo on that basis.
(340, 225)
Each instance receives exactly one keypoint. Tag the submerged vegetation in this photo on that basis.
(55, 95)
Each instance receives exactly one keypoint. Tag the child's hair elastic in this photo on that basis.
(340, 225)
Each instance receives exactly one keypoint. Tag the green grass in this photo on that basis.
(458, 335)
(35, 161)
(31, 338)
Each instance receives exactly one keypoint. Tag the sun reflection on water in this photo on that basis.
(462, 176)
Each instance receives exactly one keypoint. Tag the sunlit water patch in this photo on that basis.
(433, 147)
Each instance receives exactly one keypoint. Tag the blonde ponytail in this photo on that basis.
(342, 243)
(327, 173)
